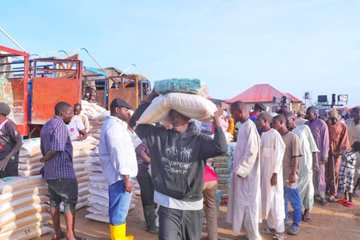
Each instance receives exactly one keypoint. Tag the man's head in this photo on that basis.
(178, 121)
(356, 115)
(4, 109)
(356, 146)
(279, 123)
(259, 107)
(65, 111)
(333, 116)
(120, 109)
(290, 120)
(263, 121)
(311, 114)
(77, 109)
(239, 111)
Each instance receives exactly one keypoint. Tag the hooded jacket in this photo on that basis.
(178, 160)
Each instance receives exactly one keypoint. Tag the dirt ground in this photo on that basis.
(332, 222)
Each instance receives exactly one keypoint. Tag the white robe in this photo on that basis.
(305, 180)
(244, 196)
(272, 154)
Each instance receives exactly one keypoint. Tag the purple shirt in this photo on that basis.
(320, 133)
(54, 136)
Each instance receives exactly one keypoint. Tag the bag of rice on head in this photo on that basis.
(181, 85)
(194, 106)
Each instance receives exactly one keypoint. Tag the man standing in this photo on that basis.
(244, 194)
(272, 183)
(339, 142)
(320, 133)
(353, 127)
(290, 172)
(178, 158)
(58, 169)
(119, 165)
(10, 143)
(258, 108)
(308, 162)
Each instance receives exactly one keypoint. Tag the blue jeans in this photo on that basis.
(292, 195)
(119, 203)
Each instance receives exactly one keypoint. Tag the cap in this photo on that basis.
(117, 102)
(260, 106)
(4, 109)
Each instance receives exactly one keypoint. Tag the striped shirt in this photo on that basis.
(54, 136)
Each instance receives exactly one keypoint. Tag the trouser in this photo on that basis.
(209, 193)
(274, 222)
(177, 224)
(320, 181)
(63, 190)
(10, 170)
(292, 195)
(119, 203)
(146, 188)
(332, 173)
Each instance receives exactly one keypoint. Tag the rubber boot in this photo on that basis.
(118, 232)
(149, 214)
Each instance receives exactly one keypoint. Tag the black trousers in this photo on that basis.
(146, 188)
(10, 170)
(177, 224)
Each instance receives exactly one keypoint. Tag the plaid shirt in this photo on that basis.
(54, 136)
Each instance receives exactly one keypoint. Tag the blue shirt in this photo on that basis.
(55, 137)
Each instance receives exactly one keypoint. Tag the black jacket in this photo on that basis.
(178, 160)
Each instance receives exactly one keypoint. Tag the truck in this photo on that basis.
(32, 87)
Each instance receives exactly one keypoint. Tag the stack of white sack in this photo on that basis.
(23, 209)
(96, 115)
(99, 198)
(29, 158)
(81, 151)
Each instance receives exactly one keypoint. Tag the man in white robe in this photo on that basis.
(272, 183)
(308, 162)
(244, 195)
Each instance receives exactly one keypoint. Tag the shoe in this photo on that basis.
(307, 216)
(348, 204)
(118, 232)
(323, 201)
(293, 230)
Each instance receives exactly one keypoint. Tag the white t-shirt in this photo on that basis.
(73, 128)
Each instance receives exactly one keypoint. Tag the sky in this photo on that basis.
(294, 45)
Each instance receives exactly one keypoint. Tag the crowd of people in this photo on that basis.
(279, 160)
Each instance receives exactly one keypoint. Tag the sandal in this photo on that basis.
(332, 199)
(323, 201)
(342, 201)
(267, 230)
(348, 204)
(307, 216)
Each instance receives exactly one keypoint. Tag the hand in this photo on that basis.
(128, 186)
(151, 96)
(324, 160)
(42, 160)
(292, 178)
(316, 167)
(273, 180)
(218, 113)
(4, 162)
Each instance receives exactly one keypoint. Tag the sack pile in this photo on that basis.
(96, 115)
(99, 198)
(29, 158)
(23, 209)
(81, 151)
(223, 167)
(178, 95)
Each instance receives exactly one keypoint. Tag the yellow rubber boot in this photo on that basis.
(118, 232)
